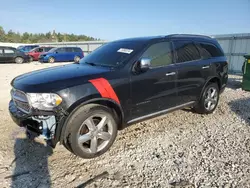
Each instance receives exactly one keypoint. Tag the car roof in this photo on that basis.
(7, 47)
(172, 36)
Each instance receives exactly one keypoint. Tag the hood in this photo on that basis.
(57, 78)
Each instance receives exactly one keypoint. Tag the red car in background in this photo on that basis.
(36, 52)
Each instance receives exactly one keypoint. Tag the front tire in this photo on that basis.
(92, 131)
(209, 99)
(51, 60)
(19, 60)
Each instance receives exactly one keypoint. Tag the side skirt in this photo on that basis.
(155, 114)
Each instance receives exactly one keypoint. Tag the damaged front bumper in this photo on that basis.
(44, 124)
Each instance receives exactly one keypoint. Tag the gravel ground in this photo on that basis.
(180, 149)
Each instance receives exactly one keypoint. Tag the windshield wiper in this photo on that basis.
(90, 63)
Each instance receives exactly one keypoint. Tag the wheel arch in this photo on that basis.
(214, 79)
(114, 106)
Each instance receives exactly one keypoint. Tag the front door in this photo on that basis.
(154, 90)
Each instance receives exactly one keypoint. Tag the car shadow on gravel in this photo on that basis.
(31, 164)
(234, 83)
(241, 107)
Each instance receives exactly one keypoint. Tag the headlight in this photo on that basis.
(44, 101)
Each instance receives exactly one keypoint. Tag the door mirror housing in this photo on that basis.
(144, 64)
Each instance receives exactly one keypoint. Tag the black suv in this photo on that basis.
(10, 55)
(82, 105)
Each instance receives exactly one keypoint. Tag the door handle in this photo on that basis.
(170, 73)
(205, 67)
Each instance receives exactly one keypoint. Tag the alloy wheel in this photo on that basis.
(95, 133)
(211, 99)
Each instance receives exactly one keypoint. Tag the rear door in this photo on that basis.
(9, 54)
(154, 90)
(70, 54)
(189, 65)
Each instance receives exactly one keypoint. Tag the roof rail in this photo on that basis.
(188, 35)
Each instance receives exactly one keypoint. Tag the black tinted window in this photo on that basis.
(159, 53)
(208, 50)
(186, 51)
(39, 50)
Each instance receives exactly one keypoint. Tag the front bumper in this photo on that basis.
(35, 125)
(43, 60)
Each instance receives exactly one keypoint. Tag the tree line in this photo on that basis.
(11, 36)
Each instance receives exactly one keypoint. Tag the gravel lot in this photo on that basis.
(181, 149)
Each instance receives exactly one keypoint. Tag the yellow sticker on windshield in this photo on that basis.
(248, 61)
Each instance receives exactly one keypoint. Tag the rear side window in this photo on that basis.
(9, 51)
(77, 49)
(186, 51)
(209, 50)
(159, 53)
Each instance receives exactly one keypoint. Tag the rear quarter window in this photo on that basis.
(209, 50)
(77, 49)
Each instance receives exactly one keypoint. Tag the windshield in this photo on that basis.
(112, 54)
(52, 50)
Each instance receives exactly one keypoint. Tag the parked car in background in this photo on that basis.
(26, 48)
(10, 54)
(36, 52)
(82, 105)
(62, 54)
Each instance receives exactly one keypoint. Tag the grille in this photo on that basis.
(20, 100)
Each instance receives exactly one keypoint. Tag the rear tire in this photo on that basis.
(51, 60)
(19, 60)
(77, 59)
(92, 129)
(209, 99)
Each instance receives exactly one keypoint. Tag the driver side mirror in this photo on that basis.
(144, 64)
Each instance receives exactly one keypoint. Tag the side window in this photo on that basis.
(40, 50)
(209, 50)
(77, 50)
(61, 50)
(69, 49)
(159, 53)
(47, 49)
(9, 51)
(1, 51)
(186, 51)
